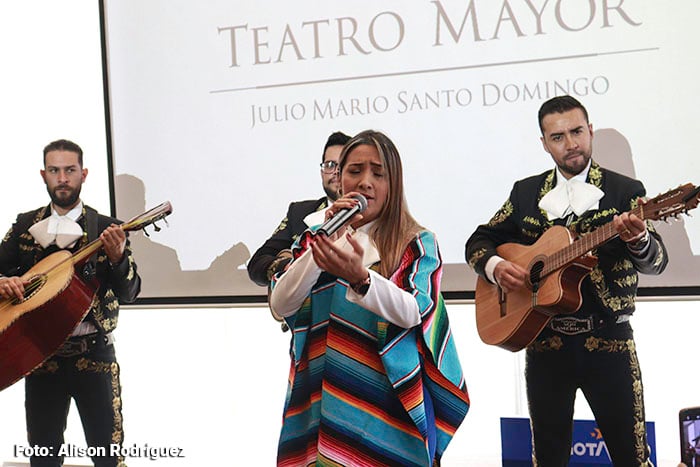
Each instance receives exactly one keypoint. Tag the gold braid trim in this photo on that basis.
(95, 309)
(623, 265)
(476, 256)
(83, 364)
(614, 303)
(48, 367)
(595, 175)
(109, 302)
(660, 257)
(627, 281)
(502, 214)
(282, 226)
(550, 343)
(604, 213)
(546, 188)
(531, 220)
(130, 259)
(597, 344)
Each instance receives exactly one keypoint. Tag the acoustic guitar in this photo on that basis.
(56, 299)
(557, 264)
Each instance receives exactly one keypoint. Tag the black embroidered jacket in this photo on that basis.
(265, 261)
(611, 287)
(118, 283)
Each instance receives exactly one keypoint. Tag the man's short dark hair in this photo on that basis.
(335, 139)
(560, 104)
(64, 145)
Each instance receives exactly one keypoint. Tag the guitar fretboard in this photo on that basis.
(584, 244)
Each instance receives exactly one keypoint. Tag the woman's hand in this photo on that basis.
(338, 262)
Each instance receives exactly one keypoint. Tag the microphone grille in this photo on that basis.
(362, 202)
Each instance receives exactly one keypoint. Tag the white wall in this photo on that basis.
(212, 382)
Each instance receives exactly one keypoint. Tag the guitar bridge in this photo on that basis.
(502, 301)
(535, 288)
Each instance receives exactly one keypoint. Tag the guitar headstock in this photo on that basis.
(672, 203)
(149, 217)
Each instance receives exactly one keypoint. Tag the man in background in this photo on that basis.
(274, 254)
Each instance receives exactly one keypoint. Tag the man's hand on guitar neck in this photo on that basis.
(12, 287)
(114, 241)
(630, 228)
(509, 276)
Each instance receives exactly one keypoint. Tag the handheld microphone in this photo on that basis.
(343, 216)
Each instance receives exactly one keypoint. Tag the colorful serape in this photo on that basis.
(365, 392)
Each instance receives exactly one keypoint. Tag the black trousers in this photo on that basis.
(603, 364)
(92, 380)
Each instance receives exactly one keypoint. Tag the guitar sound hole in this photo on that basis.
(535, 273)
(31, 289)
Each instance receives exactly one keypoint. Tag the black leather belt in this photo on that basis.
(78, 345)
(571, 325)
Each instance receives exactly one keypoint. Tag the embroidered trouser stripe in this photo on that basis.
(92, 380)
(604, 365)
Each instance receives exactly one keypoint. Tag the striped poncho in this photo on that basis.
(365, 392)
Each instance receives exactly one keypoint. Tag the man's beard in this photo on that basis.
(332, 195)
(66, 200)
(573, 170)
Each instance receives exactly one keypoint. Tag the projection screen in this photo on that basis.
(223, 108)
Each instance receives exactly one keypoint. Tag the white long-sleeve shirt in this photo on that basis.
(384, 298)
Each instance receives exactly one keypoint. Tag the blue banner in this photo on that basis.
(587, 448)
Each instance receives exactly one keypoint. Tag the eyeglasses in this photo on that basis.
(329, 166)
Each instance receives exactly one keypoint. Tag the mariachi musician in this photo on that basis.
(592, 349)
(84, 368)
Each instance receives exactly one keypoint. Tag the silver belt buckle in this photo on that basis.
(570, 325)
(72, 348)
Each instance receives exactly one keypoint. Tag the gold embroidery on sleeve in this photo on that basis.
(614, 303)
(476, 256)
(502, 214)
(627, 281)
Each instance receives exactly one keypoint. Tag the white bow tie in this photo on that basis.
(570, 196)
(60, 230)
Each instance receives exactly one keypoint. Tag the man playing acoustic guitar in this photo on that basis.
(592, 348)
(84, 368)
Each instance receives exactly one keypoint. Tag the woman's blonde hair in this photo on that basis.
(395, 227)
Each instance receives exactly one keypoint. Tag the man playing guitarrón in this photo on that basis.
(592, 349)
(85, 367)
